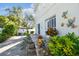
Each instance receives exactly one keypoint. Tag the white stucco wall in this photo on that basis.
(73, 11)
(45, 11)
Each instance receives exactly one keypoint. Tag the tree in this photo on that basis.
(3, 20)
(26, 21)
(16, 15)
(15, 12)
(13, 19)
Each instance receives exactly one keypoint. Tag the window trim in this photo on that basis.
(52, 22)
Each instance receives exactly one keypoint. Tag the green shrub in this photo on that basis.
(60, 46)
(64, 45)
(8, 31)
(0, 32)
(3, 37)
(3, 21)
(26, 33)
(75, 39)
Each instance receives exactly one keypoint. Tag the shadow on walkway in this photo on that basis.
(11, 47)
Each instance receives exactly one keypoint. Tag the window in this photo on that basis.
(38, 28)
(52, 22)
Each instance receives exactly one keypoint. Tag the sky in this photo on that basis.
(25, 6)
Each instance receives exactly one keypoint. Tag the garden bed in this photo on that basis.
(67, 45)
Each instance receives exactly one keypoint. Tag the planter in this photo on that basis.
(31, 52)
(43, 52)
(31, 45)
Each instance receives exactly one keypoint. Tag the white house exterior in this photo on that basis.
(44, 12)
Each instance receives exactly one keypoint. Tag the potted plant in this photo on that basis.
(40, 41)
(51, 31)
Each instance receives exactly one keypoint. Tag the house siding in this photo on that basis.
(45, 11)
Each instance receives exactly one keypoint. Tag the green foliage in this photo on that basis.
(75, 39)
(0, 32)
(72, 36)
(3, 37)
(26, 33)
(12, 22)
(8, 31)
(15, 12)
(67, 45)
(3, 20)
(14, 19)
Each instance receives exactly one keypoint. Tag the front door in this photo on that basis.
(38, 28)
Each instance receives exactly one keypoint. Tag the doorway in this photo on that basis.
(38, 28)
